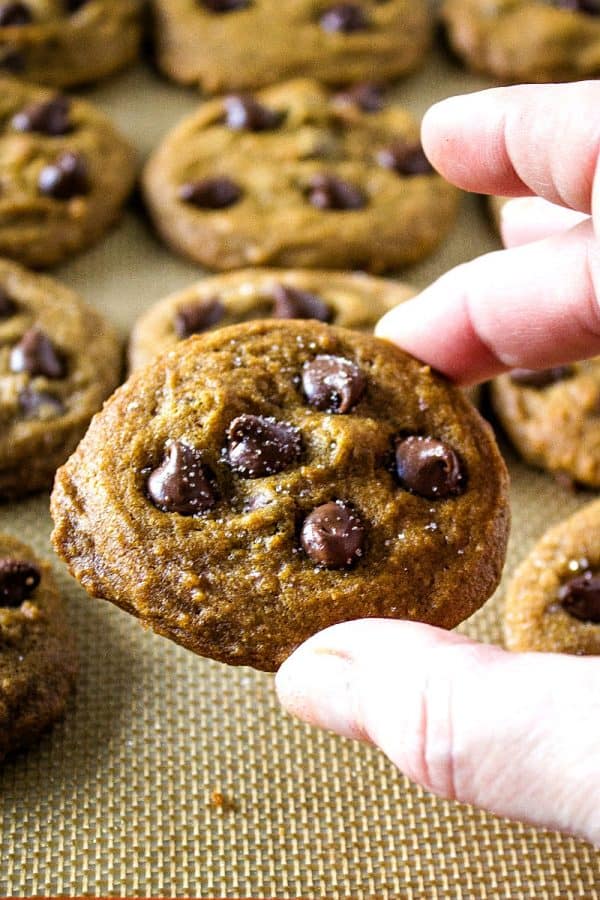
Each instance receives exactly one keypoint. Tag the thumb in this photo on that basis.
(517, 734)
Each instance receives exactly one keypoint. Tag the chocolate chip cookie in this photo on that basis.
(526, 40)
(553, 601)
(37, 651)
(223, 45)
(263, 481)
(58, 361)
(65, 173)
(553, 418)
(67, 42)
(350, 300)
(298, 176)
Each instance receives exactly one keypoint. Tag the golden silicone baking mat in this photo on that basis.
(119, 799)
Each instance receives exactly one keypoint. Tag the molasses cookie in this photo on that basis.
(223, 45)
(298, 176)
(66, 42)
(354, 301)
(263, 481)
(58, 361)
(553, 601)
(37, 652)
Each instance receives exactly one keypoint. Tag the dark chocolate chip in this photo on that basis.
(36, 354)
(292, 303)
(15, 14)
(225, 6)
(540, 378)
(198, 316)
(12, 61)
(75, 5)
(333, 535)
(65, 178)
(182, 483)
(261, 445)
(18, 581)
(333, 384)
(428, 467)
(580, 597)
(368, 97)
(8, 307)
(591, 7)
(330, 192)
(245, 112)
(51, 117)
(405, 159)
(344, 17)
(40, 404)
(211, 193)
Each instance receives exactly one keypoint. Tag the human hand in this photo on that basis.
(517, 734)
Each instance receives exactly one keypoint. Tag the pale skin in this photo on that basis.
(517, 734)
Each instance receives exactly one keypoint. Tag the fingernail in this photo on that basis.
(390, 325)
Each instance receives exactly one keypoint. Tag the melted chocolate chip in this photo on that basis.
(36, 354)
(211, 193)
(428, 467)
(580, 597)
(225, 6)
(12, 61)
(333, 535)
(15, 14)
(65, 178)
(591, 7)
(261, 445)
(51, 117)
(39, 404)
(245, 112)
(8, 307)
(292, 303)
(368, 97)
(330, 192)
(333, 384)
(18, 581)
(182, 483)
(344, 17)
(75, 5)
(540, 378)
(198, 316)
(405, 159)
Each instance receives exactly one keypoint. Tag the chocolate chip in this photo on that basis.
(36, 354)
(15, 14)
(12, 60)
(292, 303)
(211, 193)
(333, 535)
(65, 178)
(198, 316)
(344, 17)
(580, 597)
(8, 307)
(261, 445)
(18, 581)
(428, 467)
(333, 384)
(405, 159)
(541, 378)
(51, 117)
(591, 7)
(225, 6)
(75, 5)
(245, 112)
(40, 404)
(330, 192)
(368, 97)
(182, 483)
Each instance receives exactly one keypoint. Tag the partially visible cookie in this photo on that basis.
(59, 359)
(351, 300)
(553, 600)
(65, 173)
(223, 45)
(496, 204)
(66, 42)
(37, 652)
(553, 418)
(263, 481)
(526, 40)
(298, 176)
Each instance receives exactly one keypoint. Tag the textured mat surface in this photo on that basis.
(120, 798)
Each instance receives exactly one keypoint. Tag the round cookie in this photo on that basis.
(38, 662)
(59, 360)
(298, 176)
(266, 480)
(65, 174)
(67, 42)
(553, 418)
(350, 300)
(526, 40)
(553, 600)
(223, 45)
